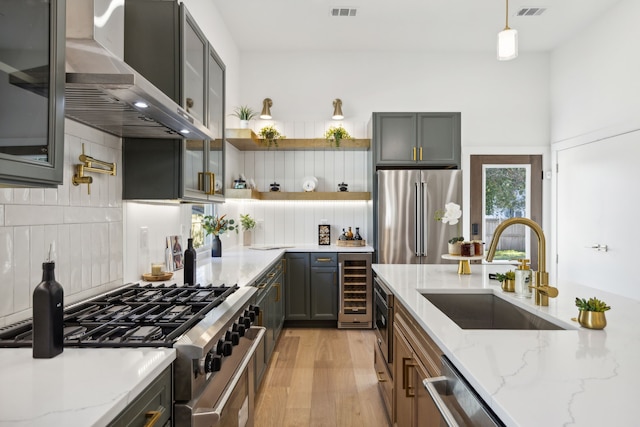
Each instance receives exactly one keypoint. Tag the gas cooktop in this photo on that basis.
(131, 316)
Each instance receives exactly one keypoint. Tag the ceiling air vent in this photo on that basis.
(530, 11)
(343, 11)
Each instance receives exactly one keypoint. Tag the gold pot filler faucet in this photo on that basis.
(88, 165)
(541, 291)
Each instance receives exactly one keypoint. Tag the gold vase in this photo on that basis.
(508, 285)
(592, 319)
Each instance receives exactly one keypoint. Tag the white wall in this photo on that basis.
(86, 228)
(594, 105)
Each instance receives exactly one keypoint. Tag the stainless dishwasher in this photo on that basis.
(458, 404)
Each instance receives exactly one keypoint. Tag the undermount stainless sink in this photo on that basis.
(486, 311)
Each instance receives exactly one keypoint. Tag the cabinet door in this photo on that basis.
(269, 321)
(439, 139)
(278, 305)
(324, 293)
(215, 119)
(195, 180)
(404, 380)
(425, 413)
(395, 138)
(195, 54)
(32, 92)
(297, 297)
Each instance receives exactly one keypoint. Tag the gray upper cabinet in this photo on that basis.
(417, 139)
(165, 45)
(32, 41)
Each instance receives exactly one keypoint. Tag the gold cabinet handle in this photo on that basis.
(262, 285)
(284, 265)
(420, 153)
(414, 153)
(152, 418)
(407, 384)
(212, 183)
(277, 285)
(323, 260)
(200, 181)
(271, 275)
(380, 379)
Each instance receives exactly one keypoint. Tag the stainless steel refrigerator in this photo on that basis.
(406, 231)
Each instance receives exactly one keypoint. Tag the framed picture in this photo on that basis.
(175, 243)
(324, 234)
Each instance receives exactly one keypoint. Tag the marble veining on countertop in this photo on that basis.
(577, 376)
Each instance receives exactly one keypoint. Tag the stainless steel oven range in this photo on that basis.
(210, 327)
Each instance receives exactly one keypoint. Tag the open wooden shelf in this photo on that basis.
(247, 140)
(231, 193)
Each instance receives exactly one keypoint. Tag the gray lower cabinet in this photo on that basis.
(153, 404)
(312, 286)
(270, 299)
(417, 139)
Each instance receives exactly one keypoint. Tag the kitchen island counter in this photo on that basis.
(576, 376)
(78, 388)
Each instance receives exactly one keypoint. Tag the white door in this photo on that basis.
(598, 203)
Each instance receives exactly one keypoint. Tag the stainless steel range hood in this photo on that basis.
(103, 92)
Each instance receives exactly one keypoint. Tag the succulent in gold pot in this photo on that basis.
(507, 280)
(592, 313)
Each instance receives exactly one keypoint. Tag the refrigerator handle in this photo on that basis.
(423, 219)
(417, 230)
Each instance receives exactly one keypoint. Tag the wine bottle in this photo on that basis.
(48, 315)
(190, 264)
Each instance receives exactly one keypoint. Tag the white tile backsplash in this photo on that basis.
(87, 229)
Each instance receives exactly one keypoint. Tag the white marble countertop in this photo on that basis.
(89, 387)
(578, 376)
(78, 388)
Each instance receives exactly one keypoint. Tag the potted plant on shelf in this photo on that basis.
(335, 134)
(244, 113)
(248, 224)
(592, 313)
(270, 135)
(217, 225)
(451, 215)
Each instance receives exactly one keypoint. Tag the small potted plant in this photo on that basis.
(451, 215)
(335, 134)
(244, 113)
(592, 313)
(217, 225)
(270, 135)
(247, 224)
(507, 280)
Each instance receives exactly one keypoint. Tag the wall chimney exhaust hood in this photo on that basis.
(103, 92)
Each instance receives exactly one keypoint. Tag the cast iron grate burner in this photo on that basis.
(132, 316)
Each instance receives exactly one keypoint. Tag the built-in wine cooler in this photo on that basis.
(356, 308)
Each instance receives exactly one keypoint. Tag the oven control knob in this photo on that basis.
(220, 347)
(212, 363)
(255, 309)
(227, 348)
(250, 314)
(246, 321)
(241, 329)
(235, 338)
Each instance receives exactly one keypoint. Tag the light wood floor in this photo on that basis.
(321, 377)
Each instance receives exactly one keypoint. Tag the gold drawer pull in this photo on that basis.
(323, 260)
(152, 418)
(380, 379)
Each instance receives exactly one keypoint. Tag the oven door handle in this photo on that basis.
(203, 417)
(430, 385)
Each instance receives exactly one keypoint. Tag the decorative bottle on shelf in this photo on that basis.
(190, 264)
(349, 234)
(343, 236)
(357, 236)
(48, 315)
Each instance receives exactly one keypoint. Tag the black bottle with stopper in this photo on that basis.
(48, 314)
(190, 264)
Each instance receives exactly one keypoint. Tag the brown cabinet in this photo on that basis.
(416, 357)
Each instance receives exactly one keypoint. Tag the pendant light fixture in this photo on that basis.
(507, 41)
(266, 109)
(337, 109)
